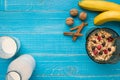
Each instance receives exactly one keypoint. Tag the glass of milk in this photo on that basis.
(21, 68)
(9, 46)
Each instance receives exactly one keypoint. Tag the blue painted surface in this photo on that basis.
(39, 24)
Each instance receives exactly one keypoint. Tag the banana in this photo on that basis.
(106, 17)
(99, 5)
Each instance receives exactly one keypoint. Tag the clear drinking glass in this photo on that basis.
(9, 46)
(21, 68)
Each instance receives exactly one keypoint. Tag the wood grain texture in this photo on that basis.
(39, 25)
(2, 4)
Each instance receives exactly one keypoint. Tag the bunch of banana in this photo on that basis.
(112, 10)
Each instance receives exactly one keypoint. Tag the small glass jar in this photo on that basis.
(9, 46)
(115, 56)
(21, 68)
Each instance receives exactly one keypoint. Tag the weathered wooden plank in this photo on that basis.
(43, 43)
(28, 5)
(77, 66)
(37, 5)
(39, 24)
(2, 4)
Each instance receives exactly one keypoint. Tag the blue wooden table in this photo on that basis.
(39, 25)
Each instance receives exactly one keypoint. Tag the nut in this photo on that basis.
(69, 21)
(83, 15)
(73, 12)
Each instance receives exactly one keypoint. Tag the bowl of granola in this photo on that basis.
(101, 45)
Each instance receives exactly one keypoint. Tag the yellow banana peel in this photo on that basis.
(99, 5)
(106, 17)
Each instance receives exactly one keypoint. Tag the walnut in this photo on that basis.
(69, 21)
(83, 15)
(73, 12)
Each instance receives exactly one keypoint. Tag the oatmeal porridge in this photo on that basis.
(101, 45)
